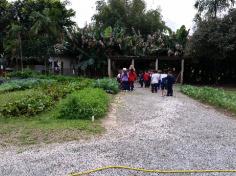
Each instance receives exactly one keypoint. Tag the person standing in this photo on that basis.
(169, 83)
(132, 78)
(163, 83)
(146, 77)
(118, 78)
(125, 80)
(154, 81)
(140, 77)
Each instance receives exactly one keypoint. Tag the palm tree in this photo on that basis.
(14, 42)
(45, 26)
(212, 7)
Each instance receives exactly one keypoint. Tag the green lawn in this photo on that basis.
(224, 99)
(45, 128)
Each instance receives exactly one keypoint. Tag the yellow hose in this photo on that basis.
(151, 171)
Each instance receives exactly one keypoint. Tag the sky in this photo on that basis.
(175, 12)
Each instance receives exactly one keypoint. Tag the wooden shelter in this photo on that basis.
(131, 60)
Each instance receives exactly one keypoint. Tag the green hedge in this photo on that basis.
(85, 104)
(109, 85)
(217, 97)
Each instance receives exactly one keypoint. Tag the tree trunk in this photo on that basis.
(215, 8)
(21, 57)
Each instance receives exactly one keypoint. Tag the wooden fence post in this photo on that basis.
(132, 63)
(182, 72)
(109, 67)
(156, 64)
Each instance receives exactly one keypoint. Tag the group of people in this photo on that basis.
(158, 80)
(126, 79)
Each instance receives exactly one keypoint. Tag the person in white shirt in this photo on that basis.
(163, 83)
(154, 81)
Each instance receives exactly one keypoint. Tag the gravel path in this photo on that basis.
(143, 130)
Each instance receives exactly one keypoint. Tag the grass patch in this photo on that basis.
(213, 96)
(30, 116)
(45, 128)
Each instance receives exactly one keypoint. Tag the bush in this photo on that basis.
(60, 90)
(217, 97)
(109, 85)
(84, 104)
(23, 84)
(27, 106)
(25, 74)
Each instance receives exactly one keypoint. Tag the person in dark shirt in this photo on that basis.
(141, 80)
(170, 80)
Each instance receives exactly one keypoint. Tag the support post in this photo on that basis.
(132, 63)
(182, 72)
(156, 64)
(109, 67)
(53, 66)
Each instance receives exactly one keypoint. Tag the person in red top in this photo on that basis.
(132, 78)
(146, 78)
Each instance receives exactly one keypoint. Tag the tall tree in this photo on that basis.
(42, 18)
(210, 8)
(128, 14)
(13, 42)
(182, 35)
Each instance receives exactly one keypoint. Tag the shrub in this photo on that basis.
(60, 90)
(84, 104)
(109, 85)
(25, 74)
(27, 106)
(217, 97)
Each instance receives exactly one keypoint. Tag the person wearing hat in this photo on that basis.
(125, 80)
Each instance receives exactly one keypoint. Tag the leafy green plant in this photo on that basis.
(25, 74)
(23, 84)
(30, 105)
(107, 84)
(213, 96)
(84, 104)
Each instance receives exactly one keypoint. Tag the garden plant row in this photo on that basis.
(214, 96)
(77, 98)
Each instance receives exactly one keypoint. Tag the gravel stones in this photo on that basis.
(143, 130)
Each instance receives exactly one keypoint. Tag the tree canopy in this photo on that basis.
(213, 43)
(129, 14)
(32, 27)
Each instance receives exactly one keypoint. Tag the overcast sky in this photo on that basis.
(175, 12)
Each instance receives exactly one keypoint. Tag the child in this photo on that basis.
(169, 82)
(154, 81)
(132, 77)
